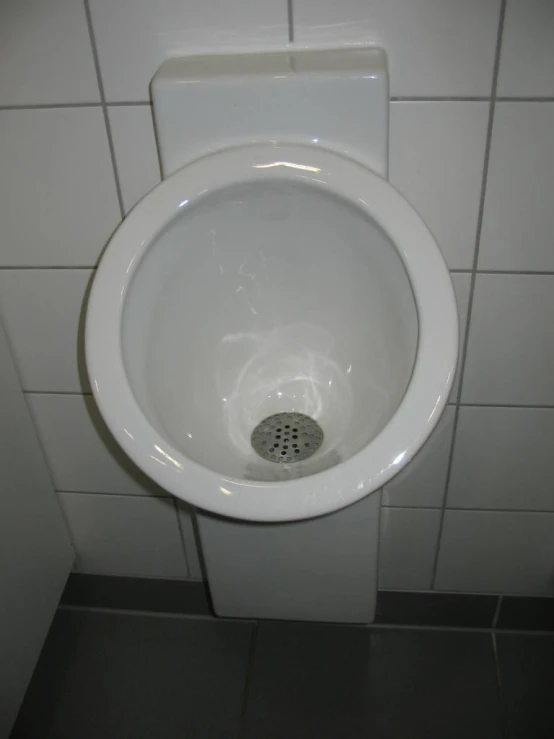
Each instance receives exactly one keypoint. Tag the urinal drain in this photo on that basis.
(287, 437)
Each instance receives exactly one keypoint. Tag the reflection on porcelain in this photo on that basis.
(266, 279)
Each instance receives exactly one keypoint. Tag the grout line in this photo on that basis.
(248, 679)
(504, 719)
(439, 98)
(290, 18)
(129, 103)
(27, 267)
(497, 611)
(506, 405)
(515, 272)
(507, 272)
(482, 198)
(465, 341)
(104, 106)
(394, 99)
(514, 406)
(180, 526)
(50, 106)
(445, 494)
(56, 392)
(119, 495)
(530, 99)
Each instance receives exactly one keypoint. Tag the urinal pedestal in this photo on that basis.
(320, 569)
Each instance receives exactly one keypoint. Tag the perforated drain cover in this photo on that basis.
(287, 437)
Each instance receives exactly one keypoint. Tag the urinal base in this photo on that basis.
(320, 569)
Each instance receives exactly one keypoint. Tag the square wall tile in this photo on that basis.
(45, 53)
(407, 546)
(136, 154)
(124, 535)
(82, 454)
(462, 285)
(489, 552)
(526, 59)
(434, 47)
(423, 481)
(135, 36)
(58, 202)
(518, 219)
(190, 541)
(503, 459)
(510, 353)
(44, 314)
(437, 152)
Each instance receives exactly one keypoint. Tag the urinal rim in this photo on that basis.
(432, 376)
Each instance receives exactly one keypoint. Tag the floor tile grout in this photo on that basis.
(256, 622)
(248, 680)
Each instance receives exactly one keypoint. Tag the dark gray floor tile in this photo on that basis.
(436, 609)
(526, 614)
(116, 676)
(340, 682)
(527, 676)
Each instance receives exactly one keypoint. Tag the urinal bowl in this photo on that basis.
(267, 280)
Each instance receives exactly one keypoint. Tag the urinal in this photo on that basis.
(272, 331)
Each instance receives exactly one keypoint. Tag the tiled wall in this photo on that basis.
(472, 146)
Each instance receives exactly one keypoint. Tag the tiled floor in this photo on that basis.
(112, 675)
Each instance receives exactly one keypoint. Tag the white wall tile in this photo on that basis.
(423, 481)
(45, 53)
(190, 543)
(488, 552)
(43, 312)
(135, 36)
(503, 459)
(435, 47)
(518, 220)
(58, 203)
(462, 285)
(526, 60)
(124, 535)
(510, 354)
(135, 151)
(407, 545)
(437, 153)
(81, 453)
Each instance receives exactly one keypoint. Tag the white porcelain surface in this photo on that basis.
(322, 569)
(515, 470)
(135, 151)
(437, 152)
(435, 47)
(510, 353)
(462, 286)
(45, 53)
(183, 402)
(422, 482)
(518, 219)
(124, 535)
(488, 552)
(408, 541)
(339, 98)
(81, 452)
(58, 203)
(526, 61)
(135, 36)
(190, 543)
(43, 312)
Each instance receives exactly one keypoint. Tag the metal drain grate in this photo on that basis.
(287, 437)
